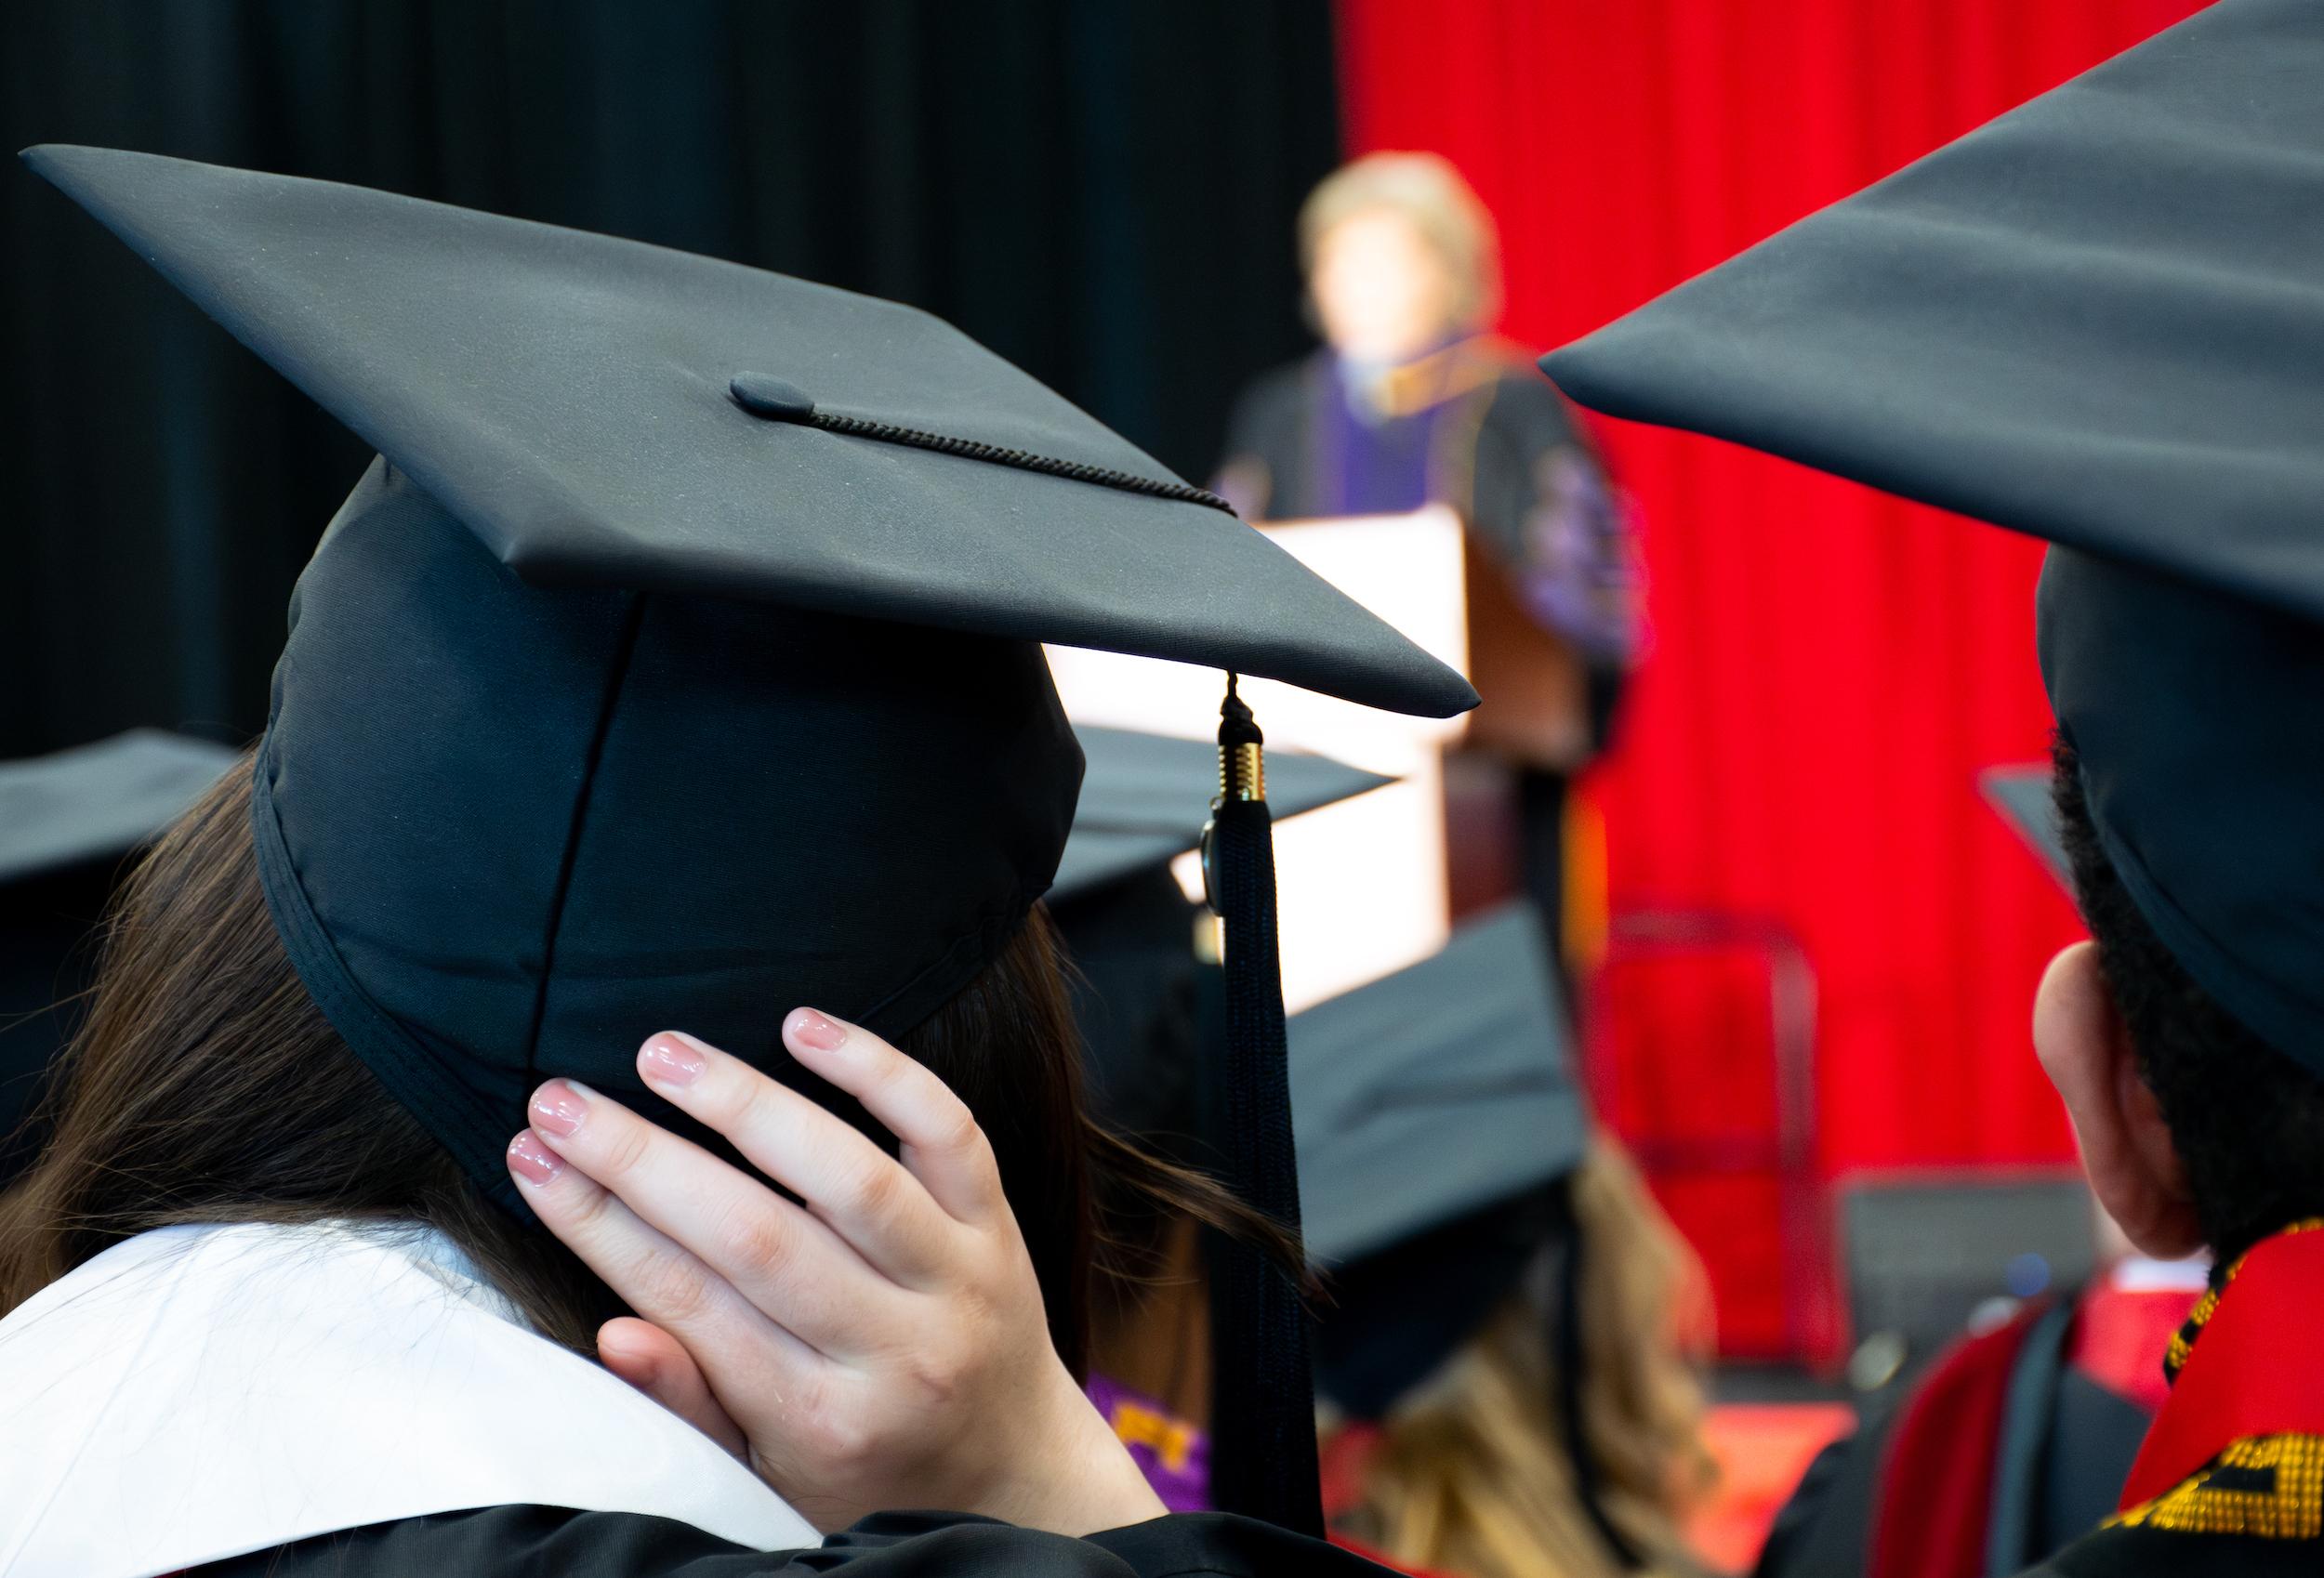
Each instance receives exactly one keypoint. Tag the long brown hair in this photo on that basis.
(205, 1087)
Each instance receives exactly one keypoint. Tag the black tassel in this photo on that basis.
(1262, 1434)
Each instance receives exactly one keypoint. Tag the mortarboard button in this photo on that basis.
(761, 394)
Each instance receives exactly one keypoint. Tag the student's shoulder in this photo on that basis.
(496, 1541)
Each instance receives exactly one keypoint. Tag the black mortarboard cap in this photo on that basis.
(66, 821)
(2022, 796)
(1433, 1091)
(1142, 798)
(679, 656)
(1440, 1122)
(92, 804)
(1436, 1108)
(2095, 320)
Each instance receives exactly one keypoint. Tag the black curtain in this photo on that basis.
(1102, 192)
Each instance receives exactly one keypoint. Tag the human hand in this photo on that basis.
(880, 1344)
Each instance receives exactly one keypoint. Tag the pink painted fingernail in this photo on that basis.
(558, 1106)
(812, 1029)
(532, 1161)
(670, 1061)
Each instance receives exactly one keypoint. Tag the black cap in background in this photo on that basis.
(1133, 935)
(2021, 795)
(1432, 1093)
(1143, 798)
(2096, 320)
(67, 821)
(1440, 1125)
(1436, 1110)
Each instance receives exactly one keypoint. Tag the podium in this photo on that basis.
(1363, 887)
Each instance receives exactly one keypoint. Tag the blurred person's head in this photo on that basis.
(2194, 1130)
(1505, 1352)
(1473, 1469)
(1470, 1467)
(1400, 257)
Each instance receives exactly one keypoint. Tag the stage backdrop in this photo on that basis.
(1830, 668)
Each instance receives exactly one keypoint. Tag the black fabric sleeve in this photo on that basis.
(2120, 1552)
(542, 1541)
(1524, 420)
(1262, 470)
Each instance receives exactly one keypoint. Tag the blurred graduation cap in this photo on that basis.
(1439, 1125)
(2022, 796)
(700, 609)
(66, 821)
(1434, 1108)
(92, 804)
(1142, 798)
(2094, 320)
(1439, 1121)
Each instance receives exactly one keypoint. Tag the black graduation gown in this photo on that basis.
(2050, 1471)
(2256, 1509)
(2230, 1479)
(1472, 421)
(1477, 427)
(1824, 1533)
(541, 1542)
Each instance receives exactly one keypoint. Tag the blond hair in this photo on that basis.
(1470, 1473)
(1426, 192)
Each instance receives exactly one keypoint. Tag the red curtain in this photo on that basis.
(1829, 668)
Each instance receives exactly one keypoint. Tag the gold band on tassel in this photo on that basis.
(1243, 771)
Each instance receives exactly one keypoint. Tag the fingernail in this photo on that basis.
(812, 1029)
(532, 1161)
(558, 1106)
(670, 1061)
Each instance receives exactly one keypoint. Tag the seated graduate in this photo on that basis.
(2015, 1440)
(2012, 1444)
(633, 685)
(1501, 1361)
(2095, 320)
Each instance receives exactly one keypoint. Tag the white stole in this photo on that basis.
(199, 1392)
